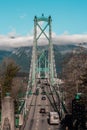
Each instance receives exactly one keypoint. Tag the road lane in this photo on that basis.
(37, 120)
(30, 121)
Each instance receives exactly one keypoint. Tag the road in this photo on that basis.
(37, 120)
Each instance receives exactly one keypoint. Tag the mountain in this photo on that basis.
(22, 55)
(4, 54)
(61, 52)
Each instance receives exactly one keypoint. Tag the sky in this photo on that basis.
(69, 19)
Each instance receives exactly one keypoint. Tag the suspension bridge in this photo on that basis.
(42, 77)
(43, 93)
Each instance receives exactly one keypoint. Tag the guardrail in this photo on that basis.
(63, 110)
(20, 116)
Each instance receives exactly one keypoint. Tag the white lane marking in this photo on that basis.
(37, 124)
(37, 117)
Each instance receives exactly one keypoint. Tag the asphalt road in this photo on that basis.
(37, 120)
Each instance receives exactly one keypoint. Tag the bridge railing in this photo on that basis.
(20, 115)
(62, 110)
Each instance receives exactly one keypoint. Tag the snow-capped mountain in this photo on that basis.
(22, 55)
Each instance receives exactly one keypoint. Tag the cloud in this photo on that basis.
(11, 42)
(75, 38)
(18, 41)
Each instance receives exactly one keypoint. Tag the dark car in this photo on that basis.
(43, 93)
(42, 110)
(42, 87)
(43, 98)
(50, 93)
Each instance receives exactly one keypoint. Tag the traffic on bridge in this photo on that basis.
(43, 107)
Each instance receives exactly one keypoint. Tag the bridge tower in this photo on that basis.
(42, 61)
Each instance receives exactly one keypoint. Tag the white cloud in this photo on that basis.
(10, 42)
(75, 38)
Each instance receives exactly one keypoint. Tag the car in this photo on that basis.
(54, 118)
(42, 87)
(43, 93)
(37, 91)
(43, 98)
(42, 110)
(50, 93)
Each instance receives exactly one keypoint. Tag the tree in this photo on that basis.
(74, 75)
(10, 71)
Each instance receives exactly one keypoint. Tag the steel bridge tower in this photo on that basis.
(42, 62)
(43, 65)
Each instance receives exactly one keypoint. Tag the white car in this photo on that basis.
(54, 118)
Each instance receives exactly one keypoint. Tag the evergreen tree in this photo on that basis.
(75, 77)
(6, 80)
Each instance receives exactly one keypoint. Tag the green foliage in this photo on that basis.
(84, 78)
(75, 77)
(7, 78)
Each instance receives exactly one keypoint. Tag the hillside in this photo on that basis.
(4, 54)
(22, 55)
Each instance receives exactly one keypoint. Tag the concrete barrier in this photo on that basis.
(7, 113)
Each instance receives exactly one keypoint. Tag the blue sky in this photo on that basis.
(68, 16)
